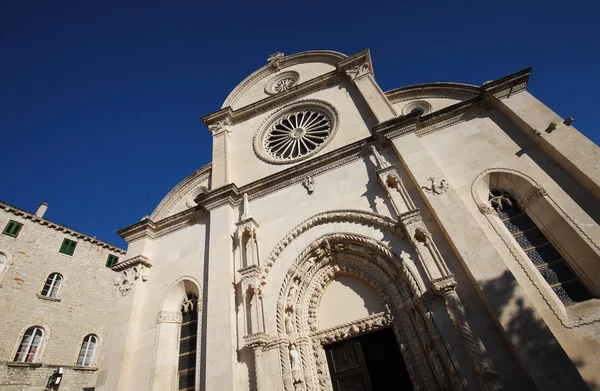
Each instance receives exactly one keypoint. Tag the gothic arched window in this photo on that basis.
(52, 285)
(30, 345)
(186, 369)
(547, 259)
(87, 352)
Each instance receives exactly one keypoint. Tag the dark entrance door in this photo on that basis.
(371, 362)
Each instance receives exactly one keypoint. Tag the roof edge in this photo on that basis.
(51, 224)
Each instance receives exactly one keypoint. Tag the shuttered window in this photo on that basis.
(68, 247)
(111, 260)
(12, 229)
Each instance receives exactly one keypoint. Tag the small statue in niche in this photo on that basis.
(293, 289)
(295, 364)
(289, 321)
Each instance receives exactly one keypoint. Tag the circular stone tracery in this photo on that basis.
(297, 134)
(296, 131)
(282, 82)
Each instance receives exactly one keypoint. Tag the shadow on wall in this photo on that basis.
(531, 334)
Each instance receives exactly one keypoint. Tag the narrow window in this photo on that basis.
(548, 260)
(87, 353)
(30, 345)
(68, 247)
(12, 229)
(52, 285)
(111, 260)
(187, 344)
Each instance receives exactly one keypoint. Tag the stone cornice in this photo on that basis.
(324, 56)
(232, 195)
(422, 125)
(433, 90)
(181, 189)
(61, 228)
(266, 104)
(315, 84)
(359, 58)
(151, 229)
(126, 264)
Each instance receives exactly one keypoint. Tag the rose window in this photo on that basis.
(284, 84)
(297, 134)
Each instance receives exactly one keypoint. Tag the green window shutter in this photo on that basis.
(68, 247)
(111, 260)
(12, 228)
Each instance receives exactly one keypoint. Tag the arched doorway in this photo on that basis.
(308, 337)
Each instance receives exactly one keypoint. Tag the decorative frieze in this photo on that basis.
(131, 270)
(168, 317)
(126, 279)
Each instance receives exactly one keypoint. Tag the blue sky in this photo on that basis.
(100, 100)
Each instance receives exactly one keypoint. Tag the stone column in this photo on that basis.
(123, 338)
(257, 343)
(488, 378)
(221, 365)
(221, 131)
(165, 368)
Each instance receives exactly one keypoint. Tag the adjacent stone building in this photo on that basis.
(56, 296)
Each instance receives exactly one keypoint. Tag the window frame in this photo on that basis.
(8, 232)
(38, 348)
(86, 343)
(68, 247)
(499, 193)
(53, 287)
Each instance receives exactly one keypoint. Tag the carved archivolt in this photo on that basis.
(429, 363)
(349, 215)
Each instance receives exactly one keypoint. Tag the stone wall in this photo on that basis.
(83, 305)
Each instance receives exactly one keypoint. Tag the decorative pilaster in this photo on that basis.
(247, 236)
(489, 379)
(392, 184)
(257, 343)
(421, 239)
(252, 300)
(131, 270)
(221, 132)
(359, 69)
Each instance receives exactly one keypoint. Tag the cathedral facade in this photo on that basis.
(436, 236)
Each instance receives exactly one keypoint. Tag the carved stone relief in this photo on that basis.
(391, 278)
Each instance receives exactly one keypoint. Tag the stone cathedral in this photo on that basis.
(439, 236)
